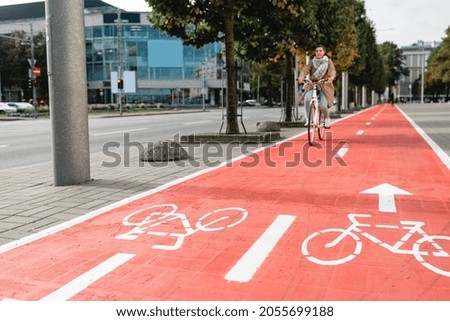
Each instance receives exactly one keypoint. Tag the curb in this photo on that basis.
(249, 138)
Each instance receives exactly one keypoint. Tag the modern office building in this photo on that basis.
(416, 58)
(161, 68)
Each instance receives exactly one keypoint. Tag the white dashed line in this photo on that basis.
(341, 152)
(250, 262)
(83, 281)
(120, 132)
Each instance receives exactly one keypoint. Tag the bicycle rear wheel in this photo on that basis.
(312, 123)
(321, 126)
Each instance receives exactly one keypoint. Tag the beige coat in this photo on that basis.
(327, 88)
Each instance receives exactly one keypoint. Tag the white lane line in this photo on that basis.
(368, 123)
(341, 152)
(3, 146)
(198, 122)
(120, 132)
(83, 281)
(360, 132)
(250, 262)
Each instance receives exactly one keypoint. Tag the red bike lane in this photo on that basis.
(362, 215)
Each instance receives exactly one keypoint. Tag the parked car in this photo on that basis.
(22, 107)
(274, 103)
(250, 102)
(6, 109)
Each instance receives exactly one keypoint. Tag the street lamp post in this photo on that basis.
(119, 53)
(33, 62)
(203, 86)
(422, 82)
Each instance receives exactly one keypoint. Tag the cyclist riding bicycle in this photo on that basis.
(318, 68)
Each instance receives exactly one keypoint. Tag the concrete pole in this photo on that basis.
(66, 64)
(296, 92)
(422, 80)
(364, 97)
(344, 104)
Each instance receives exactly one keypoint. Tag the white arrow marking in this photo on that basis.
(386, 196)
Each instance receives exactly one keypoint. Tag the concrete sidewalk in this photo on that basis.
(30, 203)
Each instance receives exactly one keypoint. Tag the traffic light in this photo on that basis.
(120, 83)
(30, 83)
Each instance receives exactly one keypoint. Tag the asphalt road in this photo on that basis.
(27, 142)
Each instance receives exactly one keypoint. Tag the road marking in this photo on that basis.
(341, 152)
(386, 196)
(3, 146)
(250, 262)
(360, 132)
(120, 132)
(368, 123)
(83, 281)
(198, 122)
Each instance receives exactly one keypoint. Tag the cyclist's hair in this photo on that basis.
(321, 46)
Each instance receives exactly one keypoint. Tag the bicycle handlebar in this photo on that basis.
(315, 82)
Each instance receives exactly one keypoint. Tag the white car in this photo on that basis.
(22, 107)
(6, 109)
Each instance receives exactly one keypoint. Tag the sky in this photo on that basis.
(403, 22)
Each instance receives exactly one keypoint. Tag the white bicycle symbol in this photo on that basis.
(422, 249)
(158, 216)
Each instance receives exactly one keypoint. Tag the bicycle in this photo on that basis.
(153, 220)
(423, 247)
(316, 118)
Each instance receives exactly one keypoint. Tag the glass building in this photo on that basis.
(165, 70)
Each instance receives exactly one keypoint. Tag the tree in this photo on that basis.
(295, 27)
(273, 31)
(368, 68)
(393, 62)
(201, 22)
(15, 51)
(336, 23)
(437, 77)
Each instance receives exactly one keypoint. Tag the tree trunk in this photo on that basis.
(289, 86)
(232, 123)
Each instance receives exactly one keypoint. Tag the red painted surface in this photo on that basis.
(266, 185)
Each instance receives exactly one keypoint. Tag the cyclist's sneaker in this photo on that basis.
(327, 123)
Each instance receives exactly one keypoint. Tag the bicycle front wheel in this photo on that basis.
(434, 256)
(312, 123)
(321, 127)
